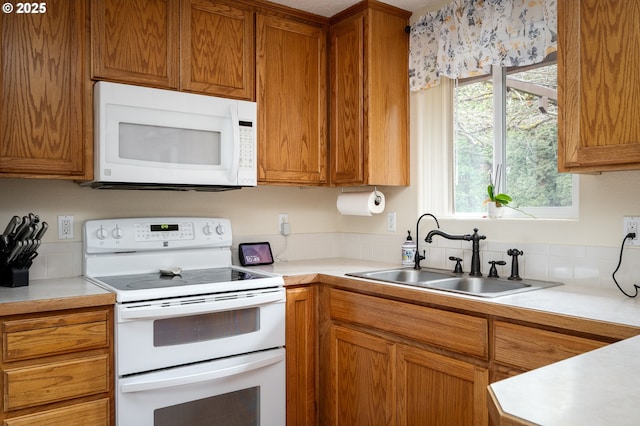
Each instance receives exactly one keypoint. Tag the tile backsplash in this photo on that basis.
(575, 265)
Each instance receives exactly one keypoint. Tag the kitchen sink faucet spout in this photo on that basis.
(475, 248)
(418, 257)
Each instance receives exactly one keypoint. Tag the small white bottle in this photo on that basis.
(409, 249)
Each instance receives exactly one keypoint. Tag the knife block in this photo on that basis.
(14, 277)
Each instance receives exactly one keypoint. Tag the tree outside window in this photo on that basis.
(511, 118)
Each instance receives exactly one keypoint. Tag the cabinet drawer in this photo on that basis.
(56, 381)
(94, 413)
(459, 332)
(530, 348)
(31, 338)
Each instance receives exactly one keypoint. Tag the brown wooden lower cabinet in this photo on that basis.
(375, 381)
(57, 368)
(362, 379)
(380, 360)
(301, 344)
(433, 389)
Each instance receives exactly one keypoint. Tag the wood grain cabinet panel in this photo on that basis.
(37, 337)
(55, 381)
(217, 48)
(529, 348)
(57, 368)
(369, 106)
(44, 105)
(135, 41)
(363, 375)
(437, 390)
(292, 101)
(93, 413)
(450, 330)
(598, 85)
(301, 337)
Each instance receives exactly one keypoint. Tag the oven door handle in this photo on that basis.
(159, 311)
(206, 376)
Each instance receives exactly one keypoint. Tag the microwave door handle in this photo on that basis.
(205, 376)
(235, 125)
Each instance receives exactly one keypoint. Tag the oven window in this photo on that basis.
(239, 408)
(199, 328)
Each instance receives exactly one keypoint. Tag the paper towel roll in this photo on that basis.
(361, 203)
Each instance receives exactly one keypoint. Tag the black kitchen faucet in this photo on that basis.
(474, 238)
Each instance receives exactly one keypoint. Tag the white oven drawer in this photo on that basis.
(242, 390)
(169, 333)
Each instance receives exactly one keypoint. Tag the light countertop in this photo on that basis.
(53, 294)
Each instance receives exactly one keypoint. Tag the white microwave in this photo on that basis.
(160, 139)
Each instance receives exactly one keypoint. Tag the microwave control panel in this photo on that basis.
(246, 166)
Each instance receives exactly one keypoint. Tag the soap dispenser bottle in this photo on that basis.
(409, 249)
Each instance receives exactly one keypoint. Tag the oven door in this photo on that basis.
(172, 332)
(242, 390)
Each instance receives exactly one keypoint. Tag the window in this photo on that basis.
(508, 120)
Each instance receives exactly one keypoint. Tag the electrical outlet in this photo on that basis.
(391, 221)
(65, 227)
(631, 226)
(283, 224)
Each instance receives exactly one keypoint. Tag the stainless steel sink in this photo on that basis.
(458, 283)
(404, 276)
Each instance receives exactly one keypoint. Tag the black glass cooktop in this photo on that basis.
(185, 278)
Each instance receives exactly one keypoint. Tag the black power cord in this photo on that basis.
(631, 236)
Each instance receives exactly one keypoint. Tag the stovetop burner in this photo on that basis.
(185, 278)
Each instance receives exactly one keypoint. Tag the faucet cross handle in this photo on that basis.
(514, 253)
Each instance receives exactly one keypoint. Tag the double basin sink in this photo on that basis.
(458, 283)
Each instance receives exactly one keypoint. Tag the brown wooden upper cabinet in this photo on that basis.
(292, 101)
(369, 96)
(44, 108)
(200, 46)
(135, 41)
(598, 85)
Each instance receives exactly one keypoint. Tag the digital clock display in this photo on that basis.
(164, 228)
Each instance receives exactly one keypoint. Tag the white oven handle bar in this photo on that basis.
(154, 311)
(202, 377)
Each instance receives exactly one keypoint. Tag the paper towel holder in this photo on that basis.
(378, 198)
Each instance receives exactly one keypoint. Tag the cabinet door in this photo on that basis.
(437, 390)
(217, 48)
(362, 378)
(370, 98)
(347, 101)
(301, 356)
(387, 98)
(43, 91)
(135, 41)
(598, 85)
(292, 101)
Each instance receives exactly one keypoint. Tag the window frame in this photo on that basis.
(499, 81)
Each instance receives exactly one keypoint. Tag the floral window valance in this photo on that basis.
(467, 37)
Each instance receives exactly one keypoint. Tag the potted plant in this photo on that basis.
(497, 200)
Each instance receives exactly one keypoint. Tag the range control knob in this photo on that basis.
(220, 229)
(208, 229)
(101, 233)
(117, 233)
